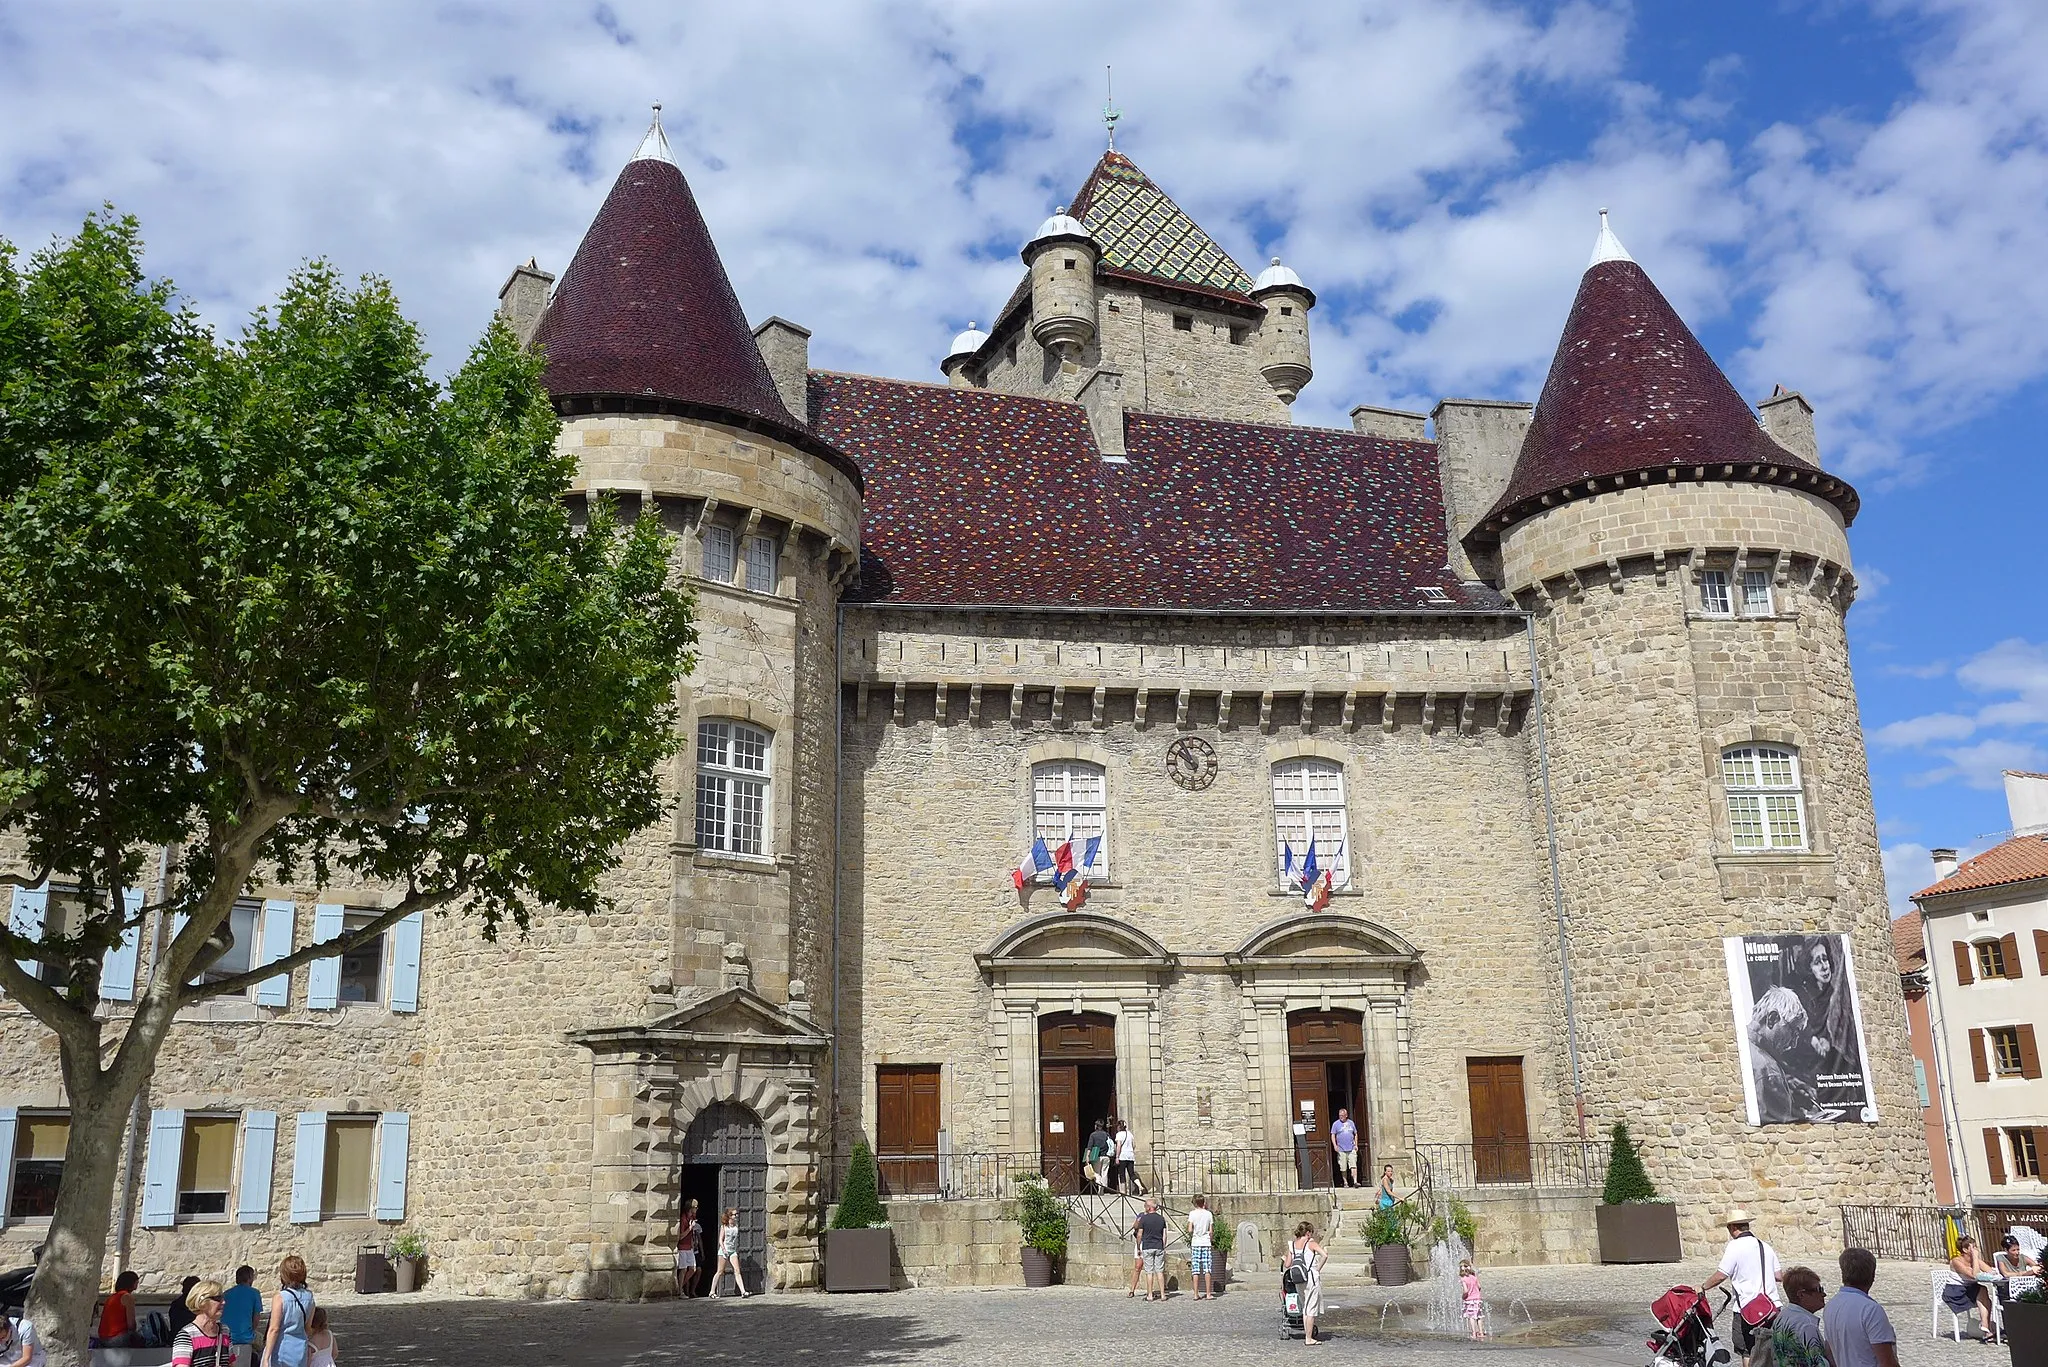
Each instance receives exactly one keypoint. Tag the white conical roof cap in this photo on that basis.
(1607, 247)
(1060, 225)
(654, 147)
(1275, 276)
(968, 342)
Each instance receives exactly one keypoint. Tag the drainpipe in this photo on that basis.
(131, 1144)
(1564, 947)
(838, 869)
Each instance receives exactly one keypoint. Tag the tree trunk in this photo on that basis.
(68, 1276)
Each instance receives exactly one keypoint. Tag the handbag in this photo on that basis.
(1756, 1312)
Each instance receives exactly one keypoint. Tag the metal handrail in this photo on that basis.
(1905, 1233)
(1512, 1163)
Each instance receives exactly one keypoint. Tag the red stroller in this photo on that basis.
(1687, 1338)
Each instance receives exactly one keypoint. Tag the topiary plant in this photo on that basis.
(1043, 1218)
(860, 1207)
(1395, 1224)
(1222, 1239)
(1626, 1180)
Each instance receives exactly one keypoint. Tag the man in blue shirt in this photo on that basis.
(1859, 1333)
(1344, 1145)
(238, 1315)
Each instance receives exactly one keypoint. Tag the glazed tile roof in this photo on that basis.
(1141, 230)
(1632, 393)
(983, 499)
(1909, 946)
(2018, 860)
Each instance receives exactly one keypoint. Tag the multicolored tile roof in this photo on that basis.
(1141, 230)
(2019, 860)
(977, 498)
(1631, 392)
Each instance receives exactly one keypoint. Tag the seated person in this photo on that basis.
(2021, 1272)
(1964, 1292)
(118, 1328)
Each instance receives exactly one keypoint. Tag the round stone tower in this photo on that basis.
(1283, 336)
(569, 1065)
(1061, 256)
(1688, 579)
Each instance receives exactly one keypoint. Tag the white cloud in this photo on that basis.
(1907, 869)
(1982, 765)
(2013, 666)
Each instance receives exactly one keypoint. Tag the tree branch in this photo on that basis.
(325, 949)
(45, 1004)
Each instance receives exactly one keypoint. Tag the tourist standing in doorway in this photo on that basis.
(1344, 1150)
(1752, 1265)
(1858, 1331)
(689, 1238)
(729, 1253)
(1387, 1197)
(1096, 1156)
(1202, 1248)
(1151, 1231)
(1127, 1160)
(1307, 1255)
(291, 1316)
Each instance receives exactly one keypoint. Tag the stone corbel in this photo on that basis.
(860, 702)
(1350, 719)
(1095, 710)
(902, 697)
(1781, 571)
(1574, 587)
(1387, 722)
(1266, 712)
(1429, 714)
(1308, 709)
(1614, 573)
(1507, 713)
(973, 703)
(939, 703)
(1223, 711)
(1657, 560)
(1180, 709)
(748, 527)
(1016, 704)
(704, 516)
(1059, 704)
(1466, 712)
(1820, 572)
(1696, 561)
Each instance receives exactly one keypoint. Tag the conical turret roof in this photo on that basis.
(645, 310)
(1632, 398)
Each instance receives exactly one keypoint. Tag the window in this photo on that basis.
(241, 955)
(1240, 335)
(1765, 808)
(1287, 310)
(1068, 263)
(1308, 805)
(1756, 593)
(718, 554)
(206, 1167)
(1714, 593)
(1990, 959)
(761, 564)
(39, 1141)
(345, 1175)
(732, 787)
(362, 968)
(1430, 593)
(1010, 354)
(2026, 1153)
(1070, 801)
(1183, 322)
(2006, 1057)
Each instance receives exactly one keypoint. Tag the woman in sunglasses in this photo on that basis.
(203, 1342)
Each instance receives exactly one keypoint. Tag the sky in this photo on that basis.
(1844, 197)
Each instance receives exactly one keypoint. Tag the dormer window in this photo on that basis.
(1287, 310)
(1433, 595)
(1068, 263)
(1183, 322)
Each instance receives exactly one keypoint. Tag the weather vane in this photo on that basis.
(1110, 113)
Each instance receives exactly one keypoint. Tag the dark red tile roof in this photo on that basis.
(2019, 860)
(1909, 946)
(645, 309)
(1631, 391)
(977, 498)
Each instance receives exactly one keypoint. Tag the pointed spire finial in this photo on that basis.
(654, 147)
(1607, 247)
(1110, 113)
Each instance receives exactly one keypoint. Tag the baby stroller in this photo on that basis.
(1687, 1338)
(1293, 1296)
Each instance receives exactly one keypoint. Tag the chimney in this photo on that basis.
(2026, 801)
(1393, 423)
(1102, 394)
(1477, 442)
(1788, 417)
(1944, 863)
(787, 350)
(524, 298)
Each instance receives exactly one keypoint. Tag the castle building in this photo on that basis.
(1080, 737)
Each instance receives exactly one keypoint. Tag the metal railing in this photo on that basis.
(1920, 1233)
(1224, 1172)
(957, 1175)
(994, 1174)
(1448, 1168)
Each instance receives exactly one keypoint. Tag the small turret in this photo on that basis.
(1062, 257)
(963, 350)
(1283, 337)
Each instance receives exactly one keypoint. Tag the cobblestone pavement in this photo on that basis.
(1583, 1315)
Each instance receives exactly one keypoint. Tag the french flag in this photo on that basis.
(1036, 861)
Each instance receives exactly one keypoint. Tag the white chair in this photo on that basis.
(1942, 1277)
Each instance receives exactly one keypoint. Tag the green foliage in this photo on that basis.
(408, 1243)
(1461, 1219)
(1043, 1218)
(2033, 1295)
(1395, 1224)
(1626, 1180)
(860, 1205)
(1222, 1238)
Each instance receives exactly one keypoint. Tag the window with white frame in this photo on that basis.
(1766, 810)
(347, 1166)
(1714, 600)
(718, 554)
(243, 922)
(760, 564)
(732, 787)
(206, 1167)
(37, 1142)
(1070, 801)
(1308, 806)
(1756, 593)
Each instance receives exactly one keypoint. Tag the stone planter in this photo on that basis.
(1037, 1268)
(1392, 1266)
(407, 1271)
(2026, 1333)
(859, 1260)
(1639, 1232)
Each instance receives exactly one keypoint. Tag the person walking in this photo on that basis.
(202, 1341)
(1751, 1265)
(1473, 1299)
(1344, 1150)
(1307, 1255)
(291, 1316)
(689, 1238)
(1387, 1198)
(1202, 1248)
(1858, 1332)
(323, 1348)
(1795, 1338)
(1096, 1156)
(20, 1345)
(1150, 1229)
(239, 1309)
(729, 1253)
(1126, 1177)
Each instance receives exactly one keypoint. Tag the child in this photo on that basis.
(320, 1341)
(1468, 1286)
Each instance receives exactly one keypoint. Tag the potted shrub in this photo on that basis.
(859, 1248)
(1222, 1239)
(1044, 1221)
(1388, 1231)
(2026, 1328)
(1636, 1225)
(408, 1255)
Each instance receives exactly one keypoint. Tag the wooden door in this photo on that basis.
(1308, 1104)
(1500, 1119)
(1061, 1132)
(907, 1129)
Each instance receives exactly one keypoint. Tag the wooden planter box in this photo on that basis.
(2026, 1333)
(859, 1260)
(1391, 1265)
(1639, 1232)
(1037, 1268)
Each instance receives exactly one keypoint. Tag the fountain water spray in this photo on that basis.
(1446, 1294)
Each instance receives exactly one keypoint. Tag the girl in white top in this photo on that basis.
(321, 1345)
(729, 1253)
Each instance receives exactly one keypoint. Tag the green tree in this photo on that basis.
(286, 605)
(860, 1205)
(1626, 1180)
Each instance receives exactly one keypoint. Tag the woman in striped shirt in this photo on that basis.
(203, 1342)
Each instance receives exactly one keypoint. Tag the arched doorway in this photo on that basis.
(725, 1165)
(1325, 1074)
(1076, 1087)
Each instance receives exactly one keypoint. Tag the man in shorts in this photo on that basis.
(689, 1238)
(1344, 1150)
(1201, 1247)
(1150, 1232)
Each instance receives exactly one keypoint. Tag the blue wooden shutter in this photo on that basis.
(405, 962)
(117, 969)
(26, 920)
(259, 1153)
(323, 979)
(309, 1161)
(8, 1117)
(394, 1130)
(160, 1173)
(274, 941)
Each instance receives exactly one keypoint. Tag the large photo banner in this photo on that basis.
(1799, 1029)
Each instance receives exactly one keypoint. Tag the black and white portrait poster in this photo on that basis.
(1799, 1029)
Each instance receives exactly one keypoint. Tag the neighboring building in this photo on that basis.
(1558, 697)
(1987, 954)
(1910, 946)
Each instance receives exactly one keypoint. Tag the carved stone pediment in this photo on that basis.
(735, 1016)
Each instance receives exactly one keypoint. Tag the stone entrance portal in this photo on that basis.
(1076, 1088)
(725, 1156)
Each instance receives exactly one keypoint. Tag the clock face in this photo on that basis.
(1191, 762)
